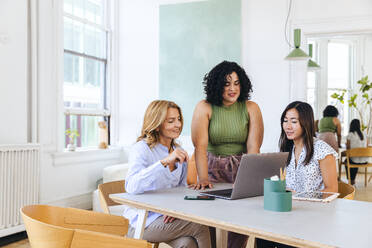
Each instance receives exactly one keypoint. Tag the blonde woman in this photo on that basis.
(157, 162)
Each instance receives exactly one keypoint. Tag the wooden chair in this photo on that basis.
(104, 191)
(57, 227)
(346, 191)
(358, 152)
(341, 161)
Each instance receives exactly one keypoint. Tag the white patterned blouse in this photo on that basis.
(308, 177)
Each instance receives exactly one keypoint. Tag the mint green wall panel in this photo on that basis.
(194, 37)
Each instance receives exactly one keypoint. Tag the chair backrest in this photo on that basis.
(49, 226)
(359, 152)
(38, 231)
(346, 191)
(105, 189)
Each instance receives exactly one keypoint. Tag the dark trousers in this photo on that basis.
(234, 240)
(261, 243)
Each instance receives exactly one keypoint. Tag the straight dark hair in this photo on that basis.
(355, 127)
(306, 119)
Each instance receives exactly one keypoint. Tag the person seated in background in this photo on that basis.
(311, 164)
(158, 162)
(355, 139)
(330, 125)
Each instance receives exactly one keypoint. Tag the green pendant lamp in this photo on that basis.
(311, 65)
(297, 53)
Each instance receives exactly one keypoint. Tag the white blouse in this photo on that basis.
(308, 177)
(356, 142)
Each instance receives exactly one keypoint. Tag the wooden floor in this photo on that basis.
(20, 244)
(361, 194)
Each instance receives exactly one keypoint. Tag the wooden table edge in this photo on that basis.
(225, 226)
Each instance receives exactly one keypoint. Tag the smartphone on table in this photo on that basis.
(199, 197)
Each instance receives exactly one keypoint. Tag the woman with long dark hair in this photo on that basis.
(355, 139)
(311, 164)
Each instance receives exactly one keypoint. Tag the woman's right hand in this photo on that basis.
(202, 184)
(178, 155)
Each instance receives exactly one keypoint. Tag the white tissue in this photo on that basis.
(274, 178)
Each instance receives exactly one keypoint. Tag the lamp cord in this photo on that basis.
(286, 24)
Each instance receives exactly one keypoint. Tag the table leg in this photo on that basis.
(221, 238)
(141, 222)
(251, 242)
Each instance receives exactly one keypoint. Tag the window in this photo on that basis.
(340, 77)
(337, 73)
(85, 87)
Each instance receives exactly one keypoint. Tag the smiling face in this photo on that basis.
(291, 125)
(171, 127)
(231, 90)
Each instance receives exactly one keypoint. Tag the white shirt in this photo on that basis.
(147, 173)
(308, 177)
(356, 142)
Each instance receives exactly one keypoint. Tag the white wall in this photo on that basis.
(138, 64)
(66, 178)
(69, 180)
(318, 9)
(264, 49)
(13, 72)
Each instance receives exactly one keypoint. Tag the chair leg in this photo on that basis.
(339, 169)
(365, 177)
(370, 177)
(155, 245)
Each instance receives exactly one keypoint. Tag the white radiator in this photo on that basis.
(19, 184)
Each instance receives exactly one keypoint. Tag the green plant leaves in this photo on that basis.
(366, 85)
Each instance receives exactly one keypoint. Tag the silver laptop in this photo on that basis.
(252, 171)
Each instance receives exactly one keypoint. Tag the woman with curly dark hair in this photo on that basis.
(330, 125)
(224, 126)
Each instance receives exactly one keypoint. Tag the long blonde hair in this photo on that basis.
(155, 115)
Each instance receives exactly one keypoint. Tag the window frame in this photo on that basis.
(110, 84)
(321, 78)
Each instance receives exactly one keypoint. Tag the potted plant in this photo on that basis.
(361, 101)
(72, 134)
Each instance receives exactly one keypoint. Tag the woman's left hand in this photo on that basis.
(168, 219)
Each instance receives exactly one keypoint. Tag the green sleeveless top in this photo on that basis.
(228, 129)
(326, 125)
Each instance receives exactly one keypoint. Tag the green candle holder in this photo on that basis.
(276, 198)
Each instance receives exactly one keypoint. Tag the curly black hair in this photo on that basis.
(214, 82)
(330, 111)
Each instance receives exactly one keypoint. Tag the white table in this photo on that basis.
(341, 223)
